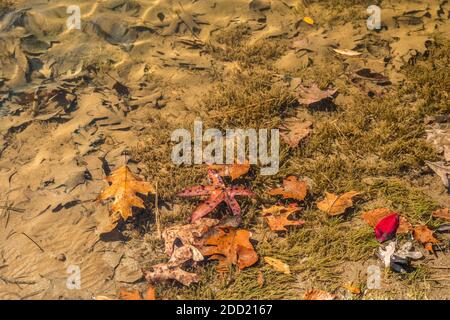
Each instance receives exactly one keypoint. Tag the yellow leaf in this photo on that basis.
(309, 20)
(335, 205)
(278, 265)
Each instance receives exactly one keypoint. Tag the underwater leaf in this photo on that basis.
(231, 170)
(277, 217)
(335, 205)
(442, 213)
(124, 186)
(347, 52)
(165, 271)
(292, 189)
(230, 246)
(442, 170)
(293, 131)
(318, 295)
(217, 193)
(278, 265)
(125, 294)
(424, 235)
(313, 94)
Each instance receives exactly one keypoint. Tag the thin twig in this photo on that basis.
(40, 248)
(158, 224)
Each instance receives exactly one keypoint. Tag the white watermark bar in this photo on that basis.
(189, 150)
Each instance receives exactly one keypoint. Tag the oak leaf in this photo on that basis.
(234, 170)
(124, 186)
(372, 218)
(278, 265)
(335, 205)
(318, 295)
(293, 131)
(166, 271)
(278, 217)
(292, 189)
(442, 213)
(313, 94)
(230, 246)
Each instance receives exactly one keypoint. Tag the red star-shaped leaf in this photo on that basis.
(217, 193)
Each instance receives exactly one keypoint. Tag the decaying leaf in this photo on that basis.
(318, 295)
(313, 94)
(441, 169)
(277, 217)
(347, 52)
(124, 186)
(230, 246)
(335, 205)
(187, 234)
(165, 271)
(424, 235)
(442, 214)
(231, 170)
(278, 265)
(292, 189)
(217, 193)
(372, 218)
(293, 131)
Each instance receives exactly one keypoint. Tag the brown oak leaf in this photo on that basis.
(293, 131)
(313, 94)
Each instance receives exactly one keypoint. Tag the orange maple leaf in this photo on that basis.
(292, 189)
(277, 217)
(230, 246)
(424, 236)
(442, 213)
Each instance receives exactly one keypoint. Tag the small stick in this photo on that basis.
(158, 224)
(40, 248)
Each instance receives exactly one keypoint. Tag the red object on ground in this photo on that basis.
(387, 227)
